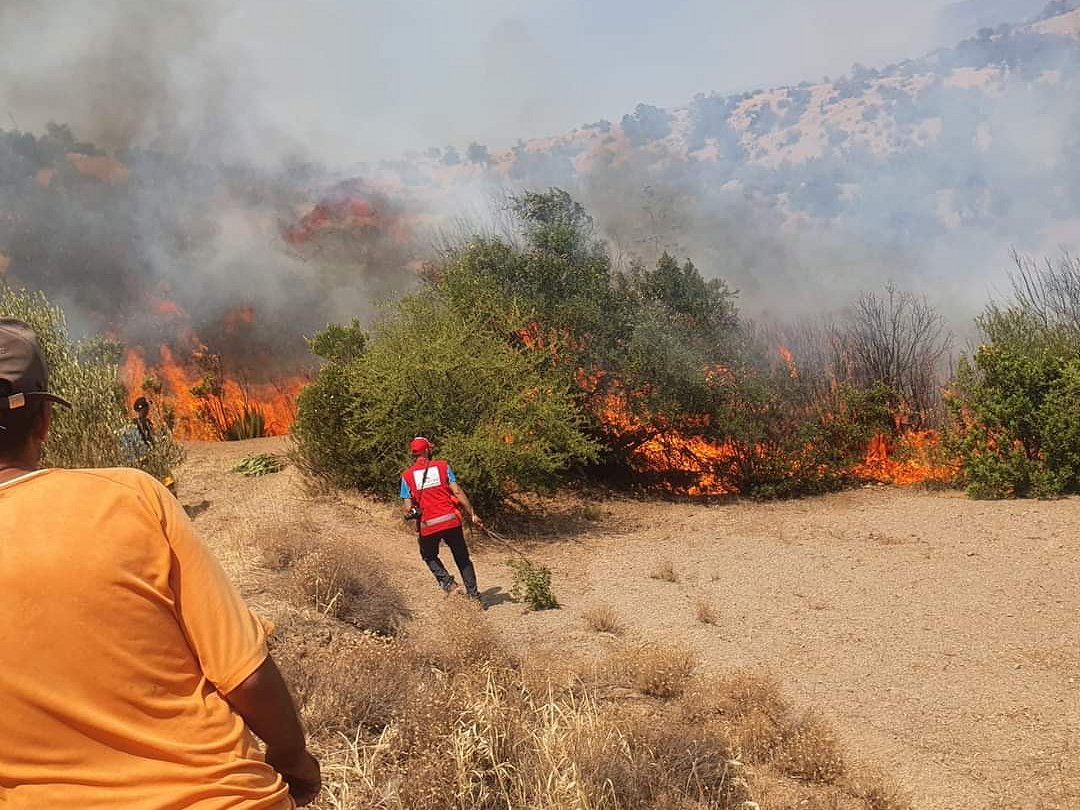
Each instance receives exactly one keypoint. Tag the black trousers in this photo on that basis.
(455, 539)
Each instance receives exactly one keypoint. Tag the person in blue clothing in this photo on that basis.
(432, 497)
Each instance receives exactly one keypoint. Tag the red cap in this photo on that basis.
(419, 445)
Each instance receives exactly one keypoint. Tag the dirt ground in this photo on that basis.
(939, 635)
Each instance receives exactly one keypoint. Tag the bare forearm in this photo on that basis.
(264, 702)
(459, 493)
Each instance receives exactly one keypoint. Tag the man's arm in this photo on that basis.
(459, 493)
(407, 501)
(264, 702)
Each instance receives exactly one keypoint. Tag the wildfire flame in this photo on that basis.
(789, 361)
(912, 459)
(668, 453)
(343, 213)
(688, 464)
(200, 409)
(194, 392)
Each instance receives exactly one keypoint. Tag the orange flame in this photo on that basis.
(671, 454)
(346, 214)
(235, 319)
(914, 458)
(166, 308)
(200, 409)
(789, 361)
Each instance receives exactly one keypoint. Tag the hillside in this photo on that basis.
(934, 633)
(926, 170)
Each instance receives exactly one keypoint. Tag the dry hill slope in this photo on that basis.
(938, 634)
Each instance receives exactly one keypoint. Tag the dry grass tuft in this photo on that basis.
(665, 570)
(282, 542)
(875, 792)
(332, 576)
(655, 670)
(459, 639)
(603, 619)
(441, 716)
(343, 680)
(807, 749)
(706, 612)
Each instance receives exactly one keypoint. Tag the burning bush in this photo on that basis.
(92, 432)
(530, 354)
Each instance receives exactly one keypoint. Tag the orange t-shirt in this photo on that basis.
(119, 634)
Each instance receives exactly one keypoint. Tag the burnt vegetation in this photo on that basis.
(535, 361)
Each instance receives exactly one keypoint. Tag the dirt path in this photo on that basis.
(939, 635)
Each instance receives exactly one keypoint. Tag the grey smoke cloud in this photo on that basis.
(355, 80)
(266, 103)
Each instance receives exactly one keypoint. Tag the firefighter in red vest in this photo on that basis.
(431, 496)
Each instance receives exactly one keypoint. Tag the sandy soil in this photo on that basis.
(938, 634)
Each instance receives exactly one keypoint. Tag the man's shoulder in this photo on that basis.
(125, 477)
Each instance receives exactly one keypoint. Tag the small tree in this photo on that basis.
(1049, 292)
(495, 410)
(898, 340)
(1016, 402)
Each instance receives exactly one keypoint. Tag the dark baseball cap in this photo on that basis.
(22, 367)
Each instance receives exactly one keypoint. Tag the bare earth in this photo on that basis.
(938, 634)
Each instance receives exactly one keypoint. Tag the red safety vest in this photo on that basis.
(429, 488)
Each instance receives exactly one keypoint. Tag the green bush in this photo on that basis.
(92, 433)
(532, 585)
(496, 411)
(1015, 408)
(529, 355)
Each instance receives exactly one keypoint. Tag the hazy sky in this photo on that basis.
(376, 78)
(356, 80)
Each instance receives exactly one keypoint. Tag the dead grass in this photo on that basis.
(332, 576)
(656, 670)
(440, 715)
(344, 681)
(665, 570)
(603, 619)
(706, 612)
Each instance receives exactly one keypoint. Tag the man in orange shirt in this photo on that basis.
(132, 675)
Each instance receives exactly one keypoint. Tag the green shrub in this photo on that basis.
(85, 374)
(92, 433)
(249, 422)
(532, 584)
(496, 411)
(528, 356)
(1015, 408)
